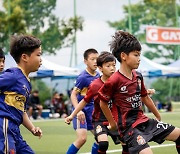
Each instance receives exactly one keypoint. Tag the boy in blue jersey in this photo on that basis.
(81, 86)
(2, 60)
(15, 88)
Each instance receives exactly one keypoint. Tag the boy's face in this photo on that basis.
(91, 61)
(2, 61)
(108, 68)
(132, 60)
(34, 60)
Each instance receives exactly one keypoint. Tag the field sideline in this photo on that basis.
(57, 136)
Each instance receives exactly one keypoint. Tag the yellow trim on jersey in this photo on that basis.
(77, 89)
(84, 91)
(15, 100)
(94, 74)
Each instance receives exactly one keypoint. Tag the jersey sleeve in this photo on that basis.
(90, 93)
(105, 92)
(7, 79)
(80, 83)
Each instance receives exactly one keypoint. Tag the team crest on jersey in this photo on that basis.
(98, 129)
(123, 89)
(140, 140)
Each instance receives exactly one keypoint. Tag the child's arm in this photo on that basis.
(108, 115)
(78, 108)
(36, 131)
(150, 104)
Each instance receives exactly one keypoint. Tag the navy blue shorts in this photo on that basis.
(11, 141)
(87, 124)
(137, 138)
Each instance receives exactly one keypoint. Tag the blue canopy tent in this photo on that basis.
(47, 69)
(148, 68)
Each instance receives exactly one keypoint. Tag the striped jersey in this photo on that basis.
(126, 95)
(15, 88)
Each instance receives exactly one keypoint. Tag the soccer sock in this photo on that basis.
(178, 144)
(95, 148)
(72, 149)
(103, 146)
(125, 149)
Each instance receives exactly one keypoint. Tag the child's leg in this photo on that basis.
(175, 136)
(146, 151)
(103, 143)
(125, 149)
(95, 148)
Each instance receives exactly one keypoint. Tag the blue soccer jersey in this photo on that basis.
(15, 88)
(82, 83)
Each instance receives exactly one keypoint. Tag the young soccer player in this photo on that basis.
(107, 65)
(15, 88)
(2, 60)
(82, 83)
(126, 88)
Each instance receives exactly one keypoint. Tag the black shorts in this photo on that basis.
(137, 138)
(100, 128)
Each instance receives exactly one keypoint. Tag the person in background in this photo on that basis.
(81, 86)
(2, 60)
(15, 88)
(127, 90)
(34, 104)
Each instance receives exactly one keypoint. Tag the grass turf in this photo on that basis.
(57, 136)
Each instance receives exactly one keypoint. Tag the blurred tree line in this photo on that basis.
(163, 13)
(151, 12)
(163, 93)
(36, 17)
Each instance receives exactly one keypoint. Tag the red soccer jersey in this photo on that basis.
(126, 95)
(93, 93)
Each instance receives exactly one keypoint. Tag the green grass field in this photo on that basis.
(57, 136)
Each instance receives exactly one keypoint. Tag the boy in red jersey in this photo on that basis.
(106, 63)
(126, 88)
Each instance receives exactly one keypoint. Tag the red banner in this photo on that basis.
(162, 35)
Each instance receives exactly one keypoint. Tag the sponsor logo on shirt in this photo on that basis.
(123, 89)
(135, 101)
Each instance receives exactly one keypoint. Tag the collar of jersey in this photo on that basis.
(24, 73)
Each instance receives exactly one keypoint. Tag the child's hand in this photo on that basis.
(151, 91)
(68, 120)
(36, 131)
(112, 126)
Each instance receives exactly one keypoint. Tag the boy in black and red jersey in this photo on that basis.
(126, 88)
(106, 63)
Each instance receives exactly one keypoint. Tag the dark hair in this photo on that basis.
(35, 91)
(123, 42)
(105, 57)
(88, 52)
(23, 44)
(2, 54)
